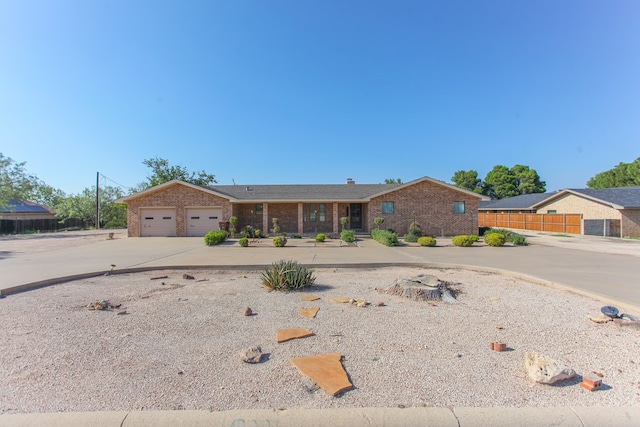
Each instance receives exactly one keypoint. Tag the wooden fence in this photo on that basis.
(555, 223)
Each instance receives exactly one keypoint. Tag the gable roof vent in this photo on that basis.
(350, 181)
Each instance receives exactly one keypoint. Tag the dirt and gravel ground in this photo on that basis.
(177, 345)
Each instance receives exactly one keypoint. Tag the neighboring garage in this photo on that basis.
(200, 221)
(156, 222)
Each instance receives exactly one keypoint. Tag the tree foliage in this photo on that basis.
(83, 205)
(501, 181)
(393, 181)
(622, 175)
(17, 183)
(468, 180)
(162, 171)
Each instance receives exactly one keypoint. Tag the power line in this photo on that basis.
(118, 184)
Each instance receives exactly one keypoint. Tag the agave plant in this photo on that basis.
(287, 275)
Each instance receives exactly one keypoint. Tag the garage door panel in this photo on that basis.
(157, 222)
(200, 221)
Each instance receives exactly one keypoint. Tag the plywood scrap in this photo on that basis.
(283, 335)
(341, 300)
(309, 297)
(309, 312)
(326, 370)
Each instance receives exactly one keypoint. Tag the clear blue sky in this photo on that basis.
(274, 92)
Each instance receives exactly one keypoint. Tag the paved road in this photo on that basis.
(609, 276)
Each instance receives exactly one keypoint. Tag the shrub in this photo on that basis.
(287, 275)
(215, 237)
(276, 225)
(257, 233)
(519, 240)
(344, 221)
(510, 236)
(414, 232)
(279, 241)
(426, 241)
(386, 237)
(378, 221)
(348, 236)
(464, 240)
(494, 239)
(320, 237)
(243, 241)
(294, 236)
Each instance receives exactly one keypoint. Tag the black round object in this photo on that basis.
(610, 311)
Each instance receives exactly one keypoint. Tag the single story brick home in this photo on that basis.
(178, 208)
(611, 212)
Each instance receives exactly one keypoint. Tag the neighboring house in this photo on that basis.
(20, 209)
(177, 208)
(605, 211)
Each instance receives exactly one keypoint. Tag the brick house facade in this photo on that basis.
(439, 208)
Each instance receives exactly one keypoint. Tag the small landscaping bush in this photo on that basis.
(348, 236)
(414, 233)
(295, 236)
(215, 237)
(287, 275)
(386, 237)
(279, 241)
(426, 241)
(464, 240)
(494, 239)
(378, 221)
(257, 233)
(320, 237)
(243, 241)
(509, 236)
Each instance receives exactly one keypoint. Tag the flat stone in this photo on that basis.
(283, 335)
(326, 370)
(309, 312)
(341, 300)
(544, 370)
(309, 298)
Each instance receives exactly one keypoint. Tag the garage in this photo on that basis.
(157, 222)
(200, 221)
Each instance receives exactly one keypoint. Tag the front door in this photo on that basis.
(355, 216)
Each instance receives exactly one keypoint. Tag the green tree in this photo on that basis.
(393, 181)
(17, 183)
(622, 175)
(528, 180)
(162, 171)
(83, 205)
(500, 183)
(467, 180)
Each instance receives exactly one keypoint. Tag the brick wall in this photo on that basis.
(287, 214)
(630, 223)
(179, 196)
(431, 205)
(326, 226)
(247, 215)
(570, 204)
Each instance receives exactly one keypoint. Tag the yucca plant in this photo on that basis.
(286, 275)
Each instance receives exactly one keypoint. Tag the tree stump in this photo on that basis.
(423, 287)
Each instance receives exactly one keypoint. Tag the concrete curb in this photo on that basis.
(243, 267)
(353, 417)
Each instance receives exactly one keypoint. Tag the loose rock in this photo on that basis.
(248, 311)
(188, 276)
(545, 370)
(251, 354)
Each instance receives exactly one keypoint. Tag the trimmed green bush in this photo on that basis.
(426, 241)
(320, 237)
(279, 241)
(243, 241)
(494, 239)
(464, 240)
(519, 240)
(414, 233)
(348, 236)
(215, 237)
(386, 237)
(287, 275)
(257, 233)
(510, 236)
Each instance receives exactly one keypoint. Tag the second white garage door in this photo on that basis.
(200, 221)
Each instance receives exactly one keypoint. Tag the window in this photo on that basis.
(313, 212)
(322, 212)
(458, 207)
(552, 211)
(258, 209)
(388, 208)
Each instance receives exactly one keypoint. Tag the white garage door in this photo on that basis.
(200, 221)
(157, 222)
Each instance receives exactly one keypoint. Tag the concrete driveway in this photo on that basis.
(611, 276)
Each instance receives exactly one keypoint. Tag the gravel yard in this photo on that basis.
(177, 345)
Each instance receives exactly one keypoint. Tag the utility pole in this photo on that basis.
(97, 200)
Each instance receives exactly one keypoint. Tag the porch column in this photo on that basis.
(336, 219)
(300, 219)
(265, 219)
